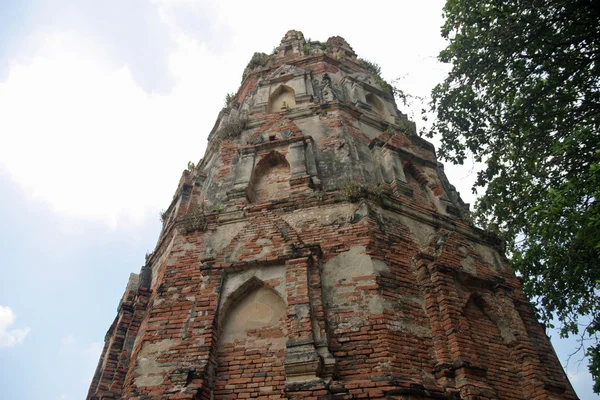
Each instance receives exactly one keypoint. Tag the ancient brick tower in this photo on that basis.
(318, 251)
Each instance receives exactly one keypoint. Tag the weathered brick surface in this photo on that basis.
(319, 252)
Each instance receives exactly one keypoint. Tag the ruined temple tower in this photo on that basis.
(318, 251)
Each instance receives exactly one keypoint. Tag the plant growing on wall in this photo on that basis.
(258, 60)
(234, 126)
(195, 220)
(163, 216)
(230, 99)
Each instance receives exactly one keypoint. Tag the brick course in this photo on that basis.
(320, 253)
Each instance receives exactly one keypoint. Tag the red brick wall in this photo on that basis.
(250, 363)
(379, 295)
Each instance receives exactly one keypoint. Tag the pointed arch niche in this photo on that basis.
(489, 336)
(252, 325)
(281, 99)
(270, 178)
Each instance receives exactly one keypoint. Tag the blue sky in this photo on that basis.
(102, 104)
(59, 282)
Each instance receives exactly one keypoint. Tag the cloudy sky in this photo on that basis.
(102, 104)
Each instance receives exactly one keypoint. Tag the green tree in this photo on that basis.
(523, 97)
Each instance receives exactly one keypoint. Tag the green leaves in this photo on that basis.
(258, 60)
(375, 70)
(523, 96)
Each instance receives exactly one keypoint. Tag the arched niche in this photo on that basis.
(252, 326)
(270, 178)
(418, 181)
(251, 310)
(415, 173)
(486, 303)
(376, 104)
(487, 337)
(281, 99)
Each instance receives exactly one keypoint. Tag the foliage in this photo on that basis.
(391, 88)
(354, 191)
(195, 220)
(405, 98)
(523, 96)
(319, 195)
(315, 47)
(406, 126)
(308, 48)
(191, 166)
(230, 99)
(376, 190)
(258, 60)
(163, 216)
(375, 70)
(234, 126)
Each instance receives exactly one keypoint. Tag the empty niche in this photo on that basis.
(270, 179)
(281, 99)
(257, 315)
(254, 329)
(376, 104)
(417, 180)
(490, 336)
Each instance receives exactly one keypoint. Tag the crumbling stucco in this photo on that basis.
(235, 279)
(491, 257)
(219, 239)
(148, 371)
(333, 260)
(338, 273)
(322, 216)
(260, 309)
(422, 233)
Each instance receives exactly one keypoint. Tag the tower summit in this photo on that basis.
(318, 251)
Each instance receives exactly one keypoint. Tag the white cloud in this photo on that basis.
(87, 139)
(67, 344)
(79, 132)
(93, 351)
(10, 337)
(577, 377)
(80, 356)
